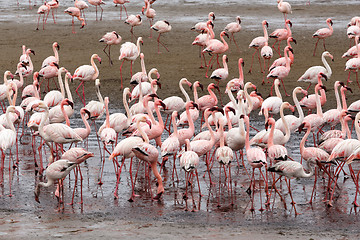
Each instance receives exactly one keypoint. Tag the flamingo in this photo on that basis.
(82, 6)
(96, 108)
(266, 52)
(234, 27)
(122, 5)
(272, 104)
(337, 133)
(86, 73)
(275, 152)
(75, 12)
(187, 133)
(54, 4)
(54, 97)
(282, 61)
(224, 155)
(133, 21)
(311, 74)
(129, 51)
(50, 71)
(353, 30)
(55, 58)
(97, 3)
(258, 43)
(351, 52)
(140, 76)
(239, 82)
(124, 148)
(284, 7)
(150, 13)
(353, 64)
(194, 112)
(257, 159)
(221, 74)
(161, 27)
(147, 87)
(281, 72)
(84, 132)
(293, 121)
(189, 161)
(55, 171)
(323, 33)
(281, 34)
(217, 47)
(208, 101)
(202, 40)
(309, 101)
(110, 38)
(108, 134)
(43, 10)
(202, 26)
(148, 153)
(29, 65)
(19, 83)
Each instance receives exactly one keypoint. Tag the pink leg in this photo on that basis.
(207, 69)
(316, 46)
(121, 73)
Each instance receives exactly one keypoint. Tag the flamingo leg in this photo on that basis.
(102, 10)
(316, 46)
(207, 69)
(158, 40)
(121, 73)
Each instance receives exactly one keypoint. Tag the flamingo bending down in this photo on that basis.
(234, 27)
(161, 27)
(82, 6)
(311, 74)
(258, 42)
(75, 12)
(129, 51)
(323, 33)
(110, 38)
(86, 73)
(122, 5)
(133, 21)
(97, 3)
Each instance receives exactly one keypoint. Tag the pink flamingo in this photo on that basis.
(292, 121)
(284, 7)
(86, 73)
(311, 74)
(281, 34)
(150, 13)
(309, 101)
(110, 38)
(224, 155)
(282, 61)
(19, 83)
(84, 132)
(75, 12)
(54, 97)
(275, 152)
(272, 104)
(351, 52)
(291, 169)
(217, 47)
(77, 155)
(140, 76)
(108, 134)
(221, 74)
(257, 159)
(122, 5)
(50, 71)
(133, 21)
(234, 27)
(55, 171)
(202, 26)
(96, 108)
(161, 27)
(28, 70)
(353, 30)
(43, 10)
(323, 33)
(202, 40)
(129, 51)
(353, 64)
(258, 43)
(239, 82)
(194, 112)
(55, 58)
(82, 6)
(337, 133)
(97, 3)
(281, 72)
(267, 53)
(124, 149)
(187, 133)
(208, 101)
(189, 161)
(148, 153)
(54, 4)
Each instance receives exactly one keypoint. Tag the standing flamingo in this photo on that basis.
(110, 38)
(282, 61)
(80, 4)
(323, 33)
(54, 97)
(129, 51)
(161, 27)
(202, 26)
(122, 5)
(50, 71)
(284, 7)
(221, 74)
(75, 12)
(258, 42)
(353, 64)
(202, 40)
(86, 73)
(281, 34)
(43, 10)
(150, 13)
(54, 4)
(28, 70)
(97, 3)
(133, 21)
(234, 27)
(281, 72)
(311, 74)
(267, 53)
(55, 58)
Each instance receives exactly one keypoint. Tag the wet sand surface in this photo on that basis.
(101, 215)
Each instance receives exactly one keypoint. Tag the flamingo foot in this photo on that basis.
(261, 209)
(355, 204)
(100, 183)
(158, 196)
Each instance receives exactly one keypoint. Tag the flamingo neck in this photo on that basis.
(212, 95)
(157, 110)
(311, 170)
(327, 66)
(9, 122)
(303, 140)
(61, 84)
(94, 66)
(248, 98)
(68, 91)
(141, 131)
(107, 125)
(232, 99)
(56, 53)
(126, 106)
(13, 102)
(183, 91)
(222, 136)
(226, 46)
(174, 126)
(318, 103)
(196, 97)
(143, 69)
(190, 121)
(343, 98)
(44, 116)
(241, 73)
(65, 115)
(47, 184)
(138, 45)
(225, 65)
(337, 97)
(146, 105)
(298, 107)
(86, 123)
(277, 91)
(20, 76)
(266, 36)
(291, 55)
(287, 60)
(271, 135)
(288, 30)
(247, 143)
(228, 120)
(99, 94)
(286, 126)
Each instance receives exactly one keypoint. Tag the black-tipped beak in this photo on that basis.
(324, 76)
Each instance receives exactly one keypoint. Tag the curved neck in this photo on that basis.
(298, 107)
(94, 66)
(232, 99)
(152, 85)
(61, 84)
(247, 143)
(343, 98)
(68, 92)
(222, 136)
(141, 131)
(287, 59)
(183, 91)
(157, 110)
(13, 102)
(265, 33)
(138, 45)
(9, 122)
(190, 121)
(277, 91)
(250, 103)
(126, 105)
(20, 76)
(307, 175)
(224, 42)
(286, 126)
(303, 140)
(47, 184)
(86, 123)
(99, 94)
(56, 53)
(196, 98)
(291, 55)
(225, 64)
(65, 115)
(337, 97)
(146, 105)
(288, 30)
(241, 72)
(6, 74)
(327, 66)
(44, 116)
(212, 135)
(212, 94)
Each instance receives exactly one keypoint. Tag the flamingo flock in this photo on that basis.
(142, 137)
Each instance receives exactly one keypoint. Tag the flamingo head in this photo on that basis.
(194, 105)
(303, 126)
(293, 40)
(322, 75)
(329, 21)
(30, 51)
(265, 23)
(224, 33)
(158, 102)
(142, 10)
(239, 20)
(84, 156)
(85, 111)
(201, 86)
(57, 46)
(55, 65)
(98, 58)
(212, 15)
(289, 22)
